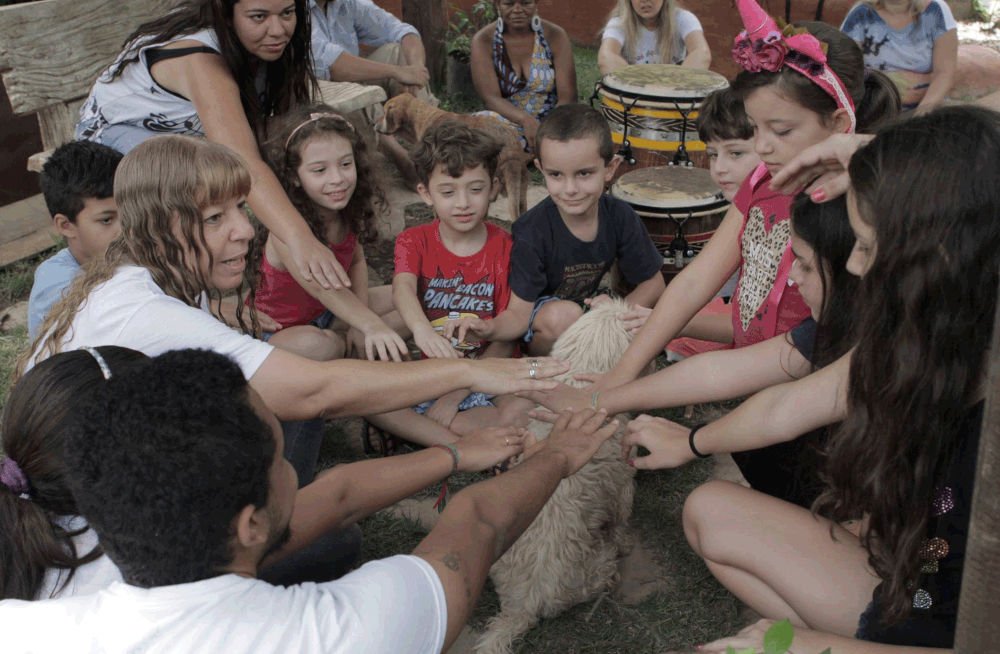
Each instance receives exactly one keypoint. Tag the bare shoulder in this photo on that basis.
(555, 34)
(485, 35)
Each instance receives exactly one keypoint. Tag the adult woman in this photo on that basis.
(916, 40)
(218, 69)
(185, 236)
(522, 67)
(652, 32)
(911, 404)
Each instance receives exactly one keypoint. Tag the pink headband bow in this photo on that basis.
(763, 45)
(313, 118)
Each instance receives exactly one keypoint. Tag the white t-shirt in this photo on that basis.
(89, 578)
(130, 310)
(390, 606)
(646, 51)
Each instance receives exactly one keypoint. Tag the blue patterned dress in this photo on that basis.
(537, 94)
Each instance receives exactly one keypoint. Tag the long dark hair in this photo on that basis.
(928, 189)
(876, 98)
(283, 152)
(826, 229)
(35, 423)
(290, 79)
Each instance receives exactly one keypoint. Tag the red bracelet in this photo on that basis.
(454, 456)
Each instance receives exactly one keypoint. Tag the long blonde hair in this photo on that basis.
(666, 37)
(162, 184)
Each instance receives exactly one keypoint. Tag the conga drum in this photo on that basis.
(681, 208)
(652, 110)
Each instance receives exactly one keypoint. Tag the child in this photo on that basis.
(77, 182)
(822, 241)
(652, 32)
(727, 132)
(563, 246)
(911, 401)
(793, 101)
(454, 267)
(326, 169)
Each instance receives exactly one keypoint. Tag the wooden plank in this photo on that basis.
(57, 123)
(37, 161)
(52, 51)
(23, 218)
(24, 247)
(346, 97)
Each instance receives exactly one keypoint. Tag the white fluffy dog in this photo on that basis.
(570, 552)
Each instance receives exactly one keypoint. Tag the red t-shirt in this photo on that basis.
(473, 285)
(282, 298)
(764, 305)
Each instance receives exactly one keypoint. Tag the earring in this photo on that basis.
(536, 23)
(500, 24)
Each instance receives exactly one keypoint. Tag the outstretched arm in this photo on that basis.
(204, 79)
(609, 57)
(699, 55)
(775, 415)
(483, 520)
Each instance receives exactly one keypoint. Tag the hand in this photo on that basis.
(267, 323)
(445, 408)
(412, 89)
(577, 437)
(805, 641)
(228, 312)
(495, 376)
(417, 76)
(435, 346)
(666, 441)
(382, 339)
(530, 128)
(635, 318)
(480, 329)
(562, 398)
(316, 261)
(484, 448)
(826, 161)
(594, 302)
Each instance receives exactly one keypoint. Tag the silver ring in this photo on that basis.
(505, 440)
(531, 372)
(533, 363)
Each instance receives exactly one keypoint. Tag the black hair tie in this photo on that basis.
(694, 430)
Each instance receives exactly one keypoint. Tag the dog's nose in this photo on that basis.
(380, 125)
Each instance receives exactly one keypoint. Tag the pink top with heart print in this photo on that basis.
(764, 305)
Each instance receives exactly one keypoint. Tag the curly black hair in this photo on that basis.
(162, 460)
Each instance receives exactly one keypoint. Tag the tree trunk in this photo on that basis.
(428, 16)
(978, 628)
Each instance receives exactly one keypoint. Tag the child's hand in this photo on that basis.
(444, 410)
(434, 345)
(381, 338)
(594, 302)
(484, 448)
(228, 311)
(635, 318)
(479, 328)
(666, 441)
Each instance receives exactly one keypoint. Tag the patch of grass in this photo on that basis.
(11, 346)
(17, 278)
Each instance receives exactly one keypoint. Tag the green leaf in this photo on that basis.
(730, 650)
(778, 638)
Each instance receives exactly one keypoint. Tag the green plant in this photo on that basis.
(463, 25)
(777, 640)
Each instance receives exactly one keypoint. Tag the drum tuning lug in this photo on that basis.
(631, 161)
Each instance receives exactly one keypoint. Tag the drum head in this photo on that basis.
(670, 190)
(664, 81)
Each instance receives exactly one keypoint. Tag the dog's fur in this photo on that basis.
(570, 552)
(407, 116)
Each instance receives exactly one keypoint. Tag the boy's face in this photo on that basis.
(95, 227)
(575, 175)
(730, 162)
(461, 202)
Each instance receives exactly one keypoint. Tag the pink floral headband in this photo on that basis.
(769, 45)
(313, 118)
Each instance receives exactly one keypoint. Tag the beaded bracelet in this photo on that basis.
(694, 430)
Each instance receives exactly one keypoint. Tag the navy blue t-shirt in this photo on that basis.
(547, 259)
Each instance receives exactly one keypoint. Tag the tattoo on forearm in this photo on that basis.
(451, 561)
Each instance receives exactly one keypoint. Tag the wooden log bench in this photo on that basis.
(50, 54)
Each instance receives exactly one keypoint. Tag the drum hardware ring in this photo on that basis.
(681, 157)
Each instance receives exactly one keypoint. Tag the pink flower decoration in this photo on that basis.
(754, 56)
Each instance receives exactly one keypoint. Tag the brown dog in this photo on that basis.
(410, 117)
